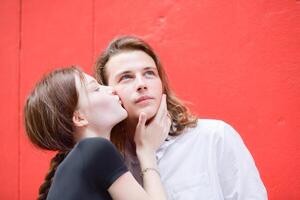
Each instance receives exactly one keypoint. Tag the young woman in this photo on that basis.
(69, 112)
(202, 158)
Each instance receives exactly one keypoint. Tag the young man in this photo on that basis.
(201, 159)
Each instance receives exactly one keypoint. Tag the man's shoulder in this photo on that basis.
(210, 123)
(207, 125)
(212, 128)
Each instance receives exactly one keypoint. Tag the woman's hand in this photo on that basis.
(149, 138)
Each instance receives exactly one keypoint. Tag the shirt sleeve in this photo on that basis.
(239, 177)
(102, 162)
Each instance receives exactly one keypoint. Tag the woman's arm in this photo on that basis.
(148, 139)
(151, 176)
(127, 188)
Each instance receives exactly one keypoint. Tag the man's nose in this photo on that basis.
(140, 83)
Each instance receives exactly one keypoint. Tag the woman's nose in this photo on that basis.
(111, 90)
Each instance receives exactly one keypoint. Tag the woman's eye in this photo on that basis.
(97, 89)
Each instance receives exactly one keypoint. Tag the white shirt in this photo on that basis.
(208, 162)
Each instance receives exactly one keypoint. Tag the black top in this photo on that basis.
(88, 171)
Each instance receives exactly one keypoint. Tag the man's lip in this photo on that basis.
(143, 98)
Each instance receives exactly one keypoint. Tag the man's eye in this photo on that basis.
(125, 77)
(150, 73)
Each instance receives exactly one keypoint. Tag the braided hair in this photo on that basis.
(55, 161)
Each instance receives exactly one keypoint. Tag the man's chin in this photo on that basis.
(149, 114)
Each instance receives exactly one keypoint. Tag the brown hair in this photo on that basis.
(48, 113)
(181, 117)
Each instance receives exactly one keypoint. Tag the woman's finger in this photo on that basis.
(162, 109)
(141, 122)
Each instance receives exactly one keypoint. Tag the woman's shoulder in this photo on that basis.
(102, 162)
(96, 147)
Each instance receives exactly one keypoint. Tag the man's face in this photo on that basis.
(134, 76)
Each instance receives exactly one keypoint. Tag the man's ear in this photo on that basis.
(79, 119)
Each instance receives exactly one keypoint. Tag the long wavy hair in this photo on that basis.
(48, 113)
(181, 117)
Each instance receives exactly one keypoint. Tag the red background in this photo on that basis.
(238, 61)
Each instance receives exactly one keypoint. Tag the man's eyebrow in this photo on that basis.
(146, 68)
(128, 71)
(123, 72)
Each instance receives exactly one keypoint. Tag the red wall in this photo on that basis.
(234, 60)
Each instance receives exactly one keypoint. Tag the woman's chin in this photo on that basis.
(124, 115)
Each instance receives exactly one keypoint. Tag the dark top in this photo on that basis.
(88, 171)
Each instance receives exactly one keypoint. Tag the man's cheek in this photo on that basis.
(124, 100)
(128, 107)
(122, 93)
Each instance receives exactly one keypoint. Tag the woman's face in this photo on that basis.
(134, 76)
(100, 105)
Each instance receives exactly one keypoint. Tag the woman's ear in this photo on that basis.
(79, 119)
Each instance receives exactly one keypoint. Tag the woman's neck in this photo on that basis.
(87, 132)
